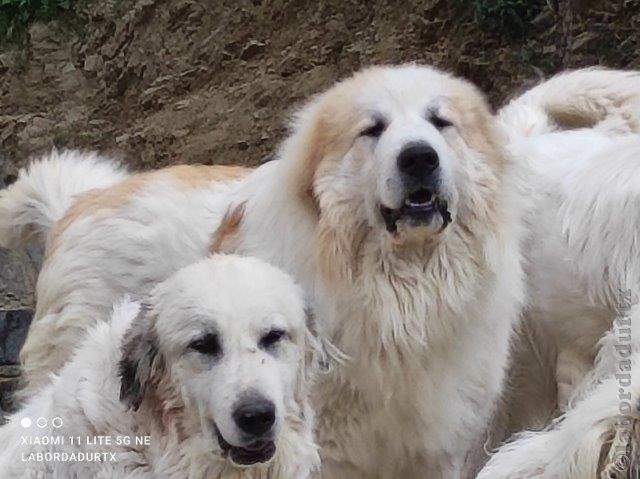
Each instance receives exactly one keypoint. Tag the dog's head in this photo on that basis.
(403, 150)
(227, 335)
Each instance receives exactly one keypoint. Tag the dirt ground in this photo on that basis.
(164, 81)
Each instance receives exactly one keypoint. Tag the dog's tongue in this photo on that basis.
(257, 446)
(260, 451)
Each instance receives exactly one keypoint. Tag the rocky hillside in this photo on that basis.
(164, 81)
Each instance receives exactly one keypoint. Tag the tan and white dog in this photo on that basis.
(392, 203)
(578, 135)
(207, 378)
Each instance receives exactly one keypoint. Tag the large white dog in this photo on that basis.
(578, 134)
(207, 378)
(393, 204)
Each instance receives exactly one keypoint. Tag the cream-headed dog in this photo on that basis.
(207, 378)
(391, 202)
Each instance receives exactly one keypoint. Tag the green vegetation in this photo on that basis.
(507, 17)
(17, 15)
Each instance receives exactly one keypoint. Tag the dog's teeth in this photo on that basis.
(424, 203)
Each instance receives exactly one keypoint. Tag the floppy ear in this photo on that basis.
(477, 124)
(321, 131)
(306, 148)
(318, 356)
(308, 365)
(141, 363)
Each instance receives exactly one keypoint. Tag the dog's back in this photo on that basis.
(104, 238)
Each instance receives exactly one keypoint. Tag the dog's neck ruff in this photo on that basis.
(389, 294)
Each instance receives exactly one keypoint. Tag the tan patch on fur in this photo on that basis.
(326, 135)
(196, 176)
(476, 125)
(225, 238)
(573, 119)
(96, 202)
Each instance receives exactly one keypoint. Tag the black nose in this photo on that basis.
(417, 161)
(255, 416)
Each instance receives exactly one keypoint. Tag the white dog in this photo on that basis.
(583, 270)
(392, 203)
(206, 379)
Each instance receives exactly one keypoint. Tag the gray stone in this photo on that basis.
(36, 255)
(71, 80)
(14, 326)
(39, 32)
(17, 277)
(252, 49)
(8, 59)
(8, 386)
(10, 371)
(36, 129)
(13, 331)
(68, 68)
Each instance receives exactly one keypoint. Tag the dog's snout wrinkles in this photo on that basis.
(255, 416)
(417, 161)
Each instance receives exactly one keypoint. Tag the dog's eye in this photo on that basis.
(375, 130)
(272, 338)
(208, 344)
(439, 122)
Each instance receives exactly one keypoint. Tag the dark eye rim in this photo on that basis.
(375, 130)
(208, 344)
(272, 338)
(439, 122)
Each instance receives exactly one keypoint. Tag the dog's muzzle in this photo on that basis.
(418, 166)
(419, 209)
(253, 453)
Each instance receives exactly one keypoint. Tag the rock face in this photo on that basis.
(160, 82)
(17, 275)
(13, 331)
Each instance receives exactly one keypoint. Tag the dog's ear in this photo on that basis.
(306, 147)
(141, 363)
(314, 357)
(308, 364)
(320, 132)
(318, 355)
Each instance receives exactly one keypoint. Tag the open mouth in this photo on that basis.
(254, 453)
(419, 208)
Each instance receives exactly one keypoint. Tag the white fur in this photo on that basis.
(46, 189)
(583, 251)
(423, 317)
(606, 100)
(240, 299)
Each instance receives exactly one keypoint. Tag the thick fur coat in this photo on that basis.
(141, 398)
(417, 288)
(577, 134)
